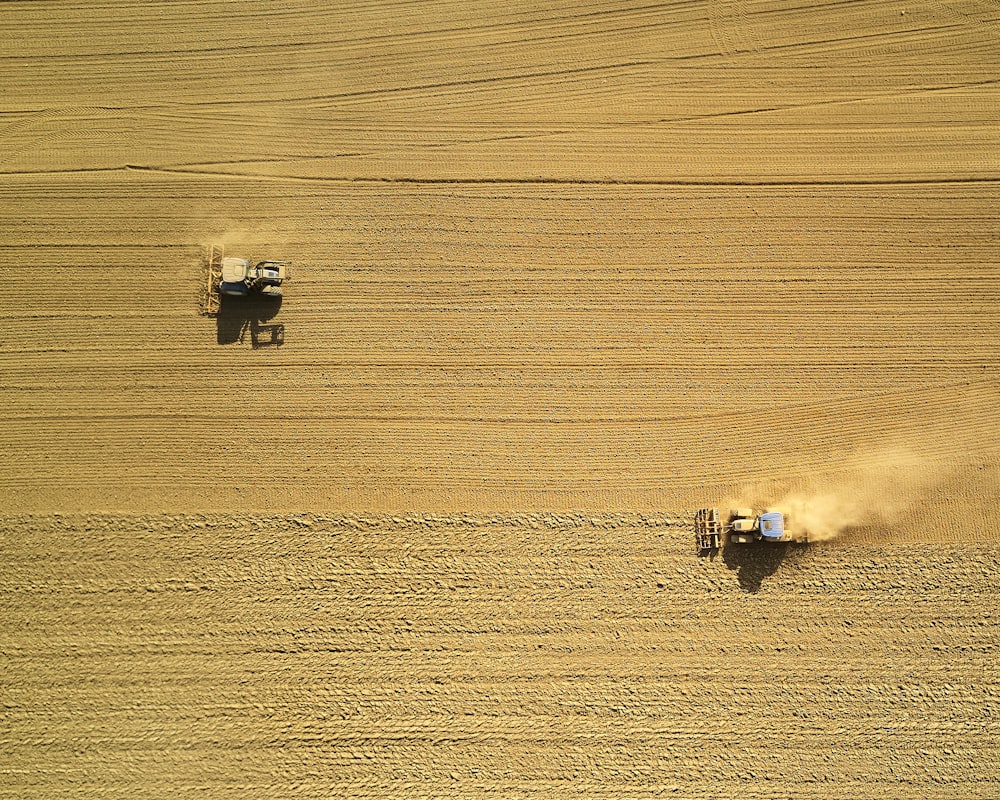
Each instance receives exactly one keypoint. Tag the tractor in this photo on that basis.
(230, 276)
(743, 526)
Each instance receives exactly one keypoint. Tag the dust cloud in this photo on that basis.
(874, 489)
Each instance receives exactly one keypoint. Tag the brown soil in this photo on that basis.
(561, 273)
(554, 655)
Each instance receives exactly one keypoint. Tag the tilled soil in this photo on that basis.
(554, 655)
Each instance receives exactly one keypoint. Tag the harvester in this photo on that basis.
(235, 277)
(743, 526)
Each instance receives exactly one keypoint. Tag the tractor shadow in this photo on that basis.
(754, 562)
(239, 316)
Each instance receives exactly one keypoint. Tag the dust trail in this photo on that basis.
(875, 489)
(236, 237)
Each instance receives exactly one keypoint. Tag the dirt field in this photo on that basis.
(562, 272)
(513, 655)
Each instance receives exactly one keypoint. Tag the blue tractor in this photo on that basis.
(744, 526)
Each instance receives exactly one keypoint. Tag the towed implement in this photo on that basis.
(707, 530)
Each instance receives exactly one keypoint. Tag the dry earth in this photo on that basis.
(562, 272)
(539, 655)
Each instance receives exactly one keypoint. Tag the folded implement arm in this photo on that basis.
(213, 277)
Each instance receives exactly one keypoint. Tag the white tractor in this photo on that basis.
(235, 277)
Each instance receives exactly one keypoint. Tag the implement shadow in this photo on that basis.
(754, 562)
(238, 315)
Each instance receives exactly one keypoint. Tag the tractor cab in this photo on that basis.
(235, 277)
(772, 525)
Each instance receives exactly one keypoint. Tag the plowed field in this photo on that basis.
(562, 272)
